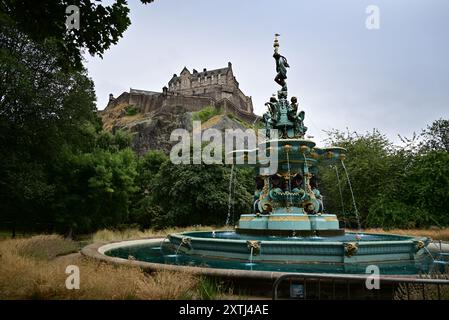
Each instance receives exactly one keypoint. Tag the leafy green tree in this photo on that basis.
(42, 109)
(95, 189)
(57, 166)
(436, 136)
(428, 187)
(197, 194)
(374, 169)
(100, 25)
(145, 209)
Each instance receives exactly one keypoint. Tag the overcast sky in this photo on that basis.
(395, 78)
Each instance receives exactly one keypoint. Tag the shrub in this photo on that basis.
(131, 110)
(206, 113)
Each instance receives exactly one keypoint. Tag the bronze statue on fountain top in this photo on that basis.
(282, 114)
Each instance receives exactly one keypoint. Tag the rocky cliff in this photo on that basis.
(152, 130)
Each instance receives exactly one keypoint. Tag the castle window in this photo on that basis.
(219, 76)
(212, 78)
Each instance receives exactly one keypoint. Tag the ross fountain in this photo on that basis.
(288, 223)
(288, 226)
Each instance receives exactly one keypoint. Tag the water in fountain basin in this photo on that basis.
(144, 253)
(353, 198)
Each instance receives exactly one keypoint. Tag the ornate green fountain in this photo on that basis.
(288, 229)
(288, 224)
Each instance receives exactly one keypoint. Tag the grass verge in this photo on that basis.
(33, 268)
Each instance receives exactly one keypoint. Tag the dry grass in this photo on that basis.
(25, 275)
(45, 247)
(431, 292)
(110, 235)
(115, 117)
(211, 122)
(435, 234)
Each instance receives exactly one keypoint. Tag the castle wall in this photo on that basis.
(190, 103)
(121, 99)
(146, 103)
(229, 107)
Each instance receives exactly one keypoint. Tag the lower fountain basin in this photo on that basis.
(159, 254)
(348, 248)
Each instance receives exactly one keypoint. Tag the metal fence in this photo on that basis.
(326, 286)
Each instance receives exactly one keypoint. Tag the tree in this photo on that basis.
(94, 189)
(100, 26)
(196, 194)
(428, 187)
(57, 166)
(374, 169)
(145, 209)
(42, 109)
(436, 136)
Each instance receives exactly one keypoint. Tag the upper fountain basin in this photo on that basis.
(292, 151)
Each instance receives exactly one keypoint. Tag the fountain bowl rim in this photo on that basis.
(404, 239)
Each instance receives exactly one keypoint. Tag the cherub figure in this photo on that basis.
(268, 123)
(273, 108)
(293, 109)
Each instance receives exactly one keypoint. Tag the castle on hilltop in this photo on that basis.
(193, 91)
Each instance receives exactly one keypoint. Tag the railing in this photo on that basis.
(325, 286)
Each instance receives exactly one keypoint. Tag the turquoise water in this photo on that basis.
(156, 254)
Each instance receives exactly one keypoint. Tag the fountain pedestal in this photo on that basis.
(290, 224)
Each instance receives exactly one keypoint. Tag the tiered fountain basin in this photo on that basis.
(347, 248)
